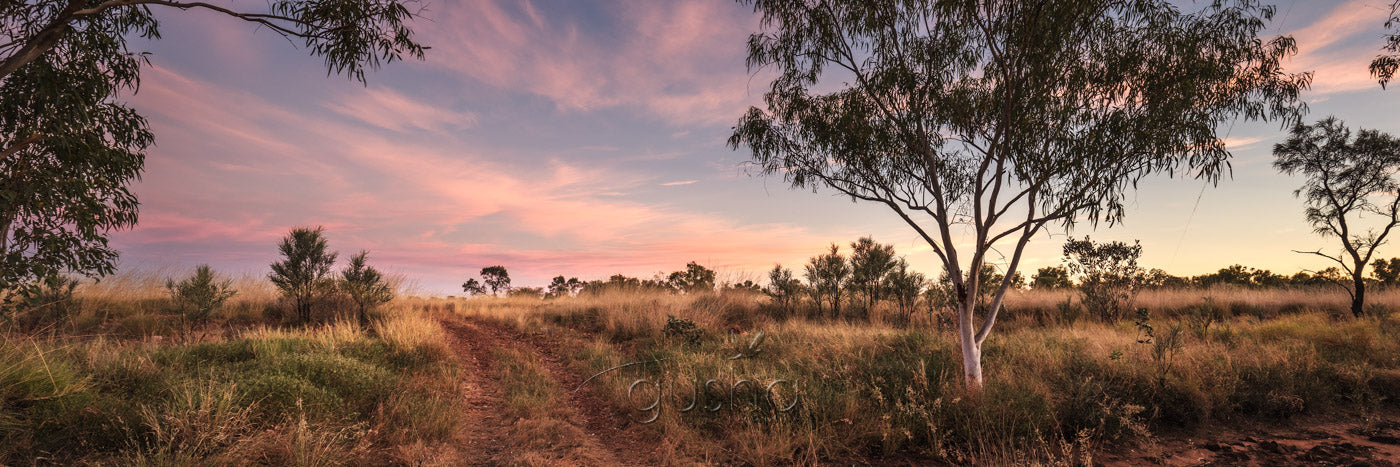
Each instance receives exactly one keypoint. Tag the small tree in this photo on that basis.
(199, 295)
(827, 274)
(496, 278)
(365, 286)
(1387, 272)
(783, 287)
(473, 287)
(1051, 278)
(694, 279)
(560, 287)
(1109, 276)
(302, 275)
(904, 286)
(1347, 181)
(870, 261)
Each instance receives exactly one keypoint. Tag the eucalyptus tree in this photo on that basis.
(990, 121)
(1388, 62)
(827, 274)
(497, 278)
(1348, 180)
(68, 146)
(870, 261)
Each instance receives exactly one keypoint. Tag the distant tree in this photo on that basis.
(1387, 272)
(1109, 276)
(302, 275)
(1388, 62)
(904, 286)
(365, 286)
(1051, 278)
(992, 121)
(694, 279)
(70, 146)
(473, 287)
(199, 295)
(496, 278)
(526, 292)
(1240, 276)
(747, 286)
(827, 275)
(870, 261)
(560, 287)
(1159, 279)
(1347, 180)
(782, 287)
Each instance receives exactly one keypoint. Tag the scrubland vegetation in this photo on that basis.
(1061, 387)
(116, 378)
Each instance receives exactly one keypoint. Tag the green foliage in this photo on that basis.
(1347, 180)
(904, 286)
(199, 295)
(303, 274)
(1109, 276)
(827, 275)
(783, 288)
(1387, 271)
(365, 286)
(560, 287)
(496, 278)
(682, 329)
(48, 300)
(1051, 278)
(527, 292)
(870, 261)
(1384, 66)
(473, 287)
(694, 279)
(69, 147)
(955, 115)
(1241, 276)
(621, 283)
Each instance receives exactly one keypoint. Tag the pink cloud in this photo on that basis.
(390, 110)
(235, 168)
(680, 61)
(1322, 48)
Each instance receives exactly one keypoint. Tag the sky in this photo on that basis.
(585, 138)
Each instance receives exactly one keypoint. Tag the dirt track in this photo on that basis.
(484, 438)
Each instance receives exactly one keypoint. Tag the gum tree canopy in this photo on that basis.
(68, 148)
(987, 121)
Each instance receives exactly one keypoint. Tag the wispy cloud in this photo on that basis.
(424, 206)
(680, 61)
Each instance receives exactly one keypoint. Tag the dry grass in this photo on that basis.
(91, 386)
(1058, 391)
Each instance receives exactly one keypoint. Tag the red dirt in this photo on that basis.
(1374, 442)
(606, 427)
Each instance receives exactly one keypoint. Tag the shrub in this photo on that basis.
(365, 286)
(1109, 275)
(302, 274)
(199, 295)
(682, 329)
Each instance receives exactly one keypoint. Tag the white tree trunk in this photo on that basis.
(971, 349)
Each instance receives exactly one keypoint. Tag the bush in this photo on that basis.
(200, 294)
(682, 329)
(302, 273)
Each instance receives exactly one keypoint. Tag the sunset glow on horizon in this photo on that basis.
(588, 138)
